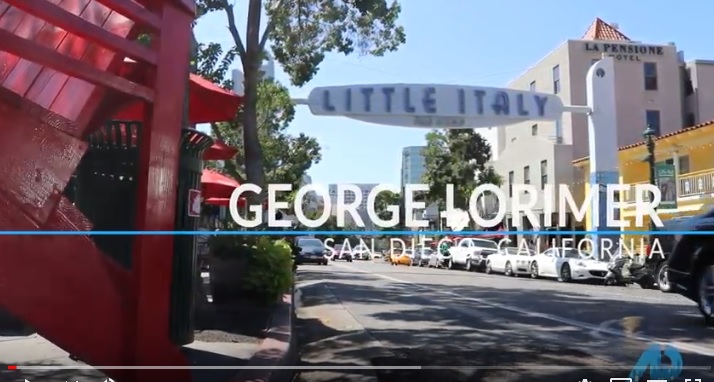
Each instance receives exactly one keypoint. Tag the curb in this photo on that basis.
(279, 348)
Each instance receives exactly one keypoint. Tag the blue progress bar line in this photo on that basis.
(342, 233)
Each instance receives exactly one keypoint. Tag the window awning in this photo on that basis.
(208, 102)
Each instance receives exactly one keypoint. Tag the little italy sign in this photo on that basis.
(430, 105)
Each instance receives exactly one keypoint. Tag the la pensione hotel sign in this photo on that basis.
(624, 52)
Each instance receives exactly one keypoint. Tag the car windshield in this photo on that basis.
(426, 251)
(518, 251)
(310, 243)
(485, 244)
(572, 253)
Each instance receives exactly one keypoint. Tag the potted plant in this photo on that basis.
(249, 268)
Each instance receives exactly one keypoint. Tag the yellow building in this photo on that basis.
(690, 150)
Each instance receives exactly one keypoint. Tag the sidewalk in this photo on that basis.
(36, 350)
(325, 325)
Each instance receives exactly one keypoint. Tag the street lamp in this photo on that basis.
(649, 135)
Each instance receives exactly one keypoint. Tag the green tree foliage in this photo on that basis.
(457, 157)
(302, 32)
(385, 199)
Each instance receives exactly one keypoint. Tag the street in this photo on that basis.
(476, 327)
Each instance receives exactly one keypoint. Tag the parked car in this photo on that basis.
(312, 250)
(423, 256)
(567, 264)
(510, 261)
(361, 252)
(339, 252)
(404, 257)
(691, 262)
(441, 256)
(656, 256)
(471, 254)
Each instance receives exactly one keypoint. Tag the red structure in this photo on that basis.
(61, 76)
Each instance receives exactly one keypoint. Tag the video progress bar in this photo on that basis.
(348, 367)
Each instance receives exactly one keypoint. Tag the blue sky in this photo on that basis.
(467, 42)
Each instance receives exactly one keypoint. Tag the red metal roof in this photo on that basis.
(600, 30)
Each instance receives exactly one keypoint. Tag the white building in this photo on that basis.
(651, 83)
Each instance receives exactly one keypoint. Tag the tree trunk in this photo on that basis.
(254, 169)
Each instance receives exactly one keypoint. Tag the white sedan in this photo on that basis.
(510, 261)
(567, 264)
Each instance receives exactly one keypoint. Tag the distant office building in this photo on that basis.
(413, 168)
(350, 197)
(413, 165)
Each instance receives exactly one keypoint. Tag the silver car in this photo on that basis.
(423, 256)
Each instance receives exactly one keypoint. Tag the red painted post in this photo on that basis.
(156, 203)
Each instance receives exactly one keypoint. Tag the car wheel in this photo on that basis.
(565, 274)
(705, 295)
(534, 270)
(663, 278)
(489, 268)
(450, 264)
(468, 266)
(509, 269)
(349, 260)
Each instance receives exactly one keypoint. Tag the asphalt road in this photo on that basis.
(469, 326)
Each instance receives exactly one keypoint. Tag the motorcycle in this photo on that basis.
(622, 270)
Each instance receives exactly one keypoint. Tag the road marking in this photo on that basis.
(562, 320)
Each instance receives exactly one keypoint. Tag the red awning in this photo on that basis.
(208, 102)
(219, 151)
(226, 202)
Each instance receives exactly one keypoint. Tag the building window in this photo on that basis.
(510, 183)
(533, 86)
(534, 130)
(653, 120)
(527, 175)
(690, 120)
(543, 174)
(683, 164)
(650, 75)
(556, 79)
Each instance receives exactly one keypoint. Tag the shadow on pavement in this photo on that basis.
(470, 338)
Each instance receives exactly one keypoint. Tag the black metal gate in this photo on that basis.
(104, 188)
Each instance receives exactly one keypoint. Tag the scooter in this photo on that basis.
(638, 273)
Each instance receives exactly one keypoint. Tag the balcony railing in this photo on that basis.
(690, 184)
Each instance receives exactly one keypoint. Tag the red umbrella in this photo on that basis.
(217, 185)
(219, 151)
(208, 102)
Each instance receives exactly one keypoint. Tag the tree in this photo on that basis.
(302, 33)
(385, 199)
(286, 157)
(457, 157)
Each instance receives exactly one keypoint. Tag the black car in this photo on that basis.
(689, 259)
(312, 250)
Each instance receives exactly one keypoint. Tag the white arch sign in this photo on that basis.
(460, 107)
